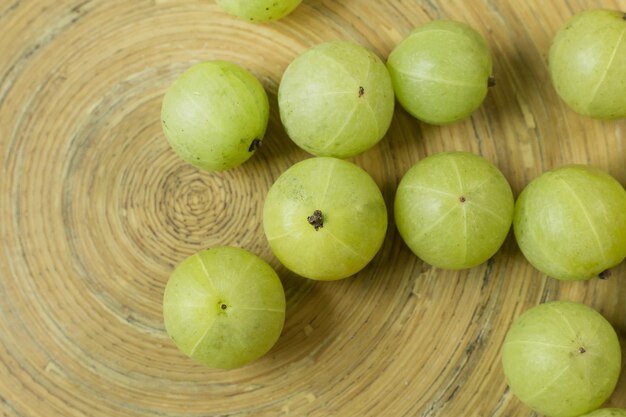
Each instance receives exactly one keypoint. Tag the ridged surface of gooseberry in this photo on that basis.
(224, 307)
(562, 359)
(215, 115)
(325, 218)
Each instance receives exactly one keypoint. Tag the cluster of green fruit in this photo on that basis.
(325, 218)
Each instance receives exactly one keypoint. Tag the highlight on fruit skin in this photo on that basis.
(224, 307)
(215, 114)
(570, 222)
(325, 218)
(441, 71)
(587, 63)
(562, 359)
(259, 11)
(336, 99)
(454, 209)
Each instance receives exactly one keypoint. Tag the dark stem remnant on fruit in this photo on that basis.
(491, 81)
(462, 199)
(361, 91)
(223, 306)
(624, 16)
(316, 219)
(604, 274)
(256, 144)
(582, 349)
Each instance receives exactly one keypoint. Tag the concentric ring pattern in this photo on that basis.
(96, 210)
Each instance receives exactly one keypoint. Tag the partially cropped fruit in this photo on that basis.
(570, 222)
(224, 307)
(588, 62)
(215, 115)
(441, 71)
(562, 359)
(454, 209)
(259, 11)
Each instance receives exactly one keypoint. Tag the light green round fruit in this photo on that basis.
(588, 61)
(224, 307)
(607, 412)
(441, 71)
(570, 223)
(336, 100)
(325, 218)
(454, 209)
(259, 11)
(215, 115)
(562, 359)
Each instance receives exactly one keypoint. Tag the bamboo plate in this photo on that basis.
(96, 210)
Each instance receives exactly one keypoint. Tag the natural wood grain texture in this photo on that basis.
(96, 211)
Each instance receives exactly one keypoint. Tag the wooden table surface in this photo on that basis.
(96, 210)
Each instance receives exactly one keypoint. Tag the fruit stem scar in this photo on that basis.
(604, 274)
(582, 349)
(361, 91)
(491, 81)
(316, 219)
(223, 306)
(256, 144)
(462, 199)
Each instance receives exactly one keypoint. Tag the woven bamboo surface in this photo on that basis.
(96, 210)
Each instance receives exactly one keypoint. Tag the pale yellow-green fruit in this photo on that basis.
(454, 209)
(336, 100)
(570, 223)
(224, 307)
(562, 359)
(441, 71)
(325, 218)
(215, 115)
(259, 11)
(588, 61)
